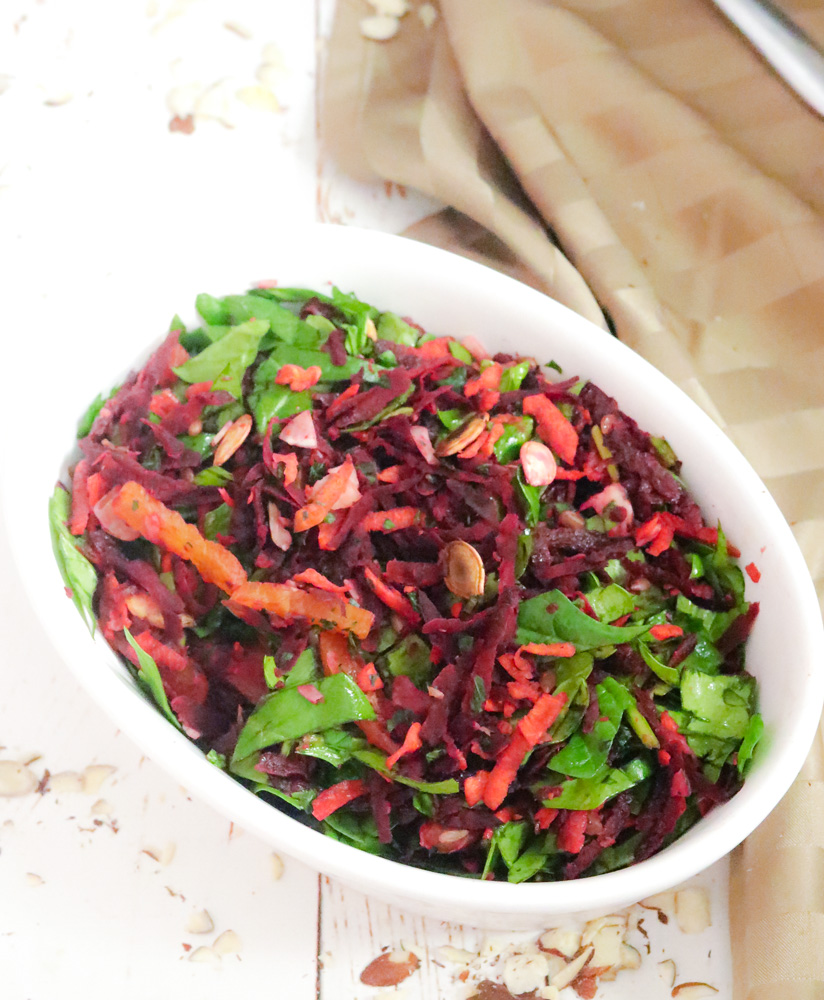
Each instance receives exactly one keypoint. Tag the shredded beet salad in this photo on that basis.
(453, 609)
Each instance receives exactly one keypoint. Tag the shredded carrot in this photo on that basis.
(472, 449)
(318, 606)
(96, 488)
(553, 427)
(390, 475)
(331, 799)
(196, 388)
(163, 655)
(572, 834)
(523, 690)
(506, 767)
(324, 497)
(496, 431)
(544, 817)
(662, 632)
(316, 579)
(369, 679)
(298, 378)
(336, 658)
(81, 506)
(528, 731)
(548, 648)
(474, 786)
(394, 519)
(411, 743)
(290, 466)
(163, 403)
(334, 407)
(490, 378)
(392, 598)
(438, 347)
(166, 528)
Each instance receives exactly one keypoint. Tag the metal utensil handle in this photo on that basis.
(791, 53)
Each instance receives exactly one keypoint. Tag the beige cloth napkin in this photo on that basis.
(685, 185)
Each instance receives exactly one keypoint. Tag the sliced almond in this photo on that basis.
(34, 880)
(204, 955)
(664, 903)
(390, 8)
(16, 779)
(607, 942)
(227, 943)
(101, 808)
(462, 436)
(549, 993)
(94, 775)
(464, 572)
(386, 970)
(277, 867)
(457, 955)
(370, 329)
(630, 957)
(278, 531)
(693, 991)
(142, 606)
(258, 98)
(692, 910)
(199, 922)
(233, 438)
(561, 939)
(572, 969)
(428, 13)
(65, 781)
(525, 973)
(667, 971)
(379, 27)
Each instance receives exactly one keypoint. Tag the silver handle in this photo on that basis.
(791, 53)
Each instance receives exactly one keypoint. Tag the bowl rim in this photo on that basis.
(712, 838)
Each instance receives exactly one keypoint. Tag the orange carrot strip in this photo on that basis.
(165, 527)
(297, 377)
(315, 579)
(438, 347)
(96, 488)
(369, 679)
(331, 799)
(411, 743)
(544, 817)
(662, 632)
(392, 598)
(549, 648)
(336, 404)
(506, 767)
(573, 830)
(390, 475)
(336, 657)
(163, 655)
(528, 732)
(553, 427)
(318, 606)
(474, 786)
(490, 378)
(81, 507)
(394, 519)
(324, 497)
(753, 572)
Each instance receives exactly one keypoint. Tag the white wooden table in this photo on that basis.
(105, 870)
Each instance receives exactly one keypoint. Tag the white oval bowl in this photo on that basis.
(447, 295)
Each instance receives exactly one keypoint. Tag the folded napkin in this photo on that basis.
(684, 185)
